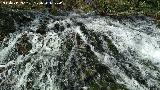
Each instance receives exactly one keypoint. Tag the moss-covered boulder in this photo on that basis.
(23, 45)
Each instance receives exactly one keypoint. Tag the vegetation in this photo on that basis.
(102, 7)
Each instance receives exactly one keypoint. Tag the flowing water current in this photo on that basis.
(81, 52)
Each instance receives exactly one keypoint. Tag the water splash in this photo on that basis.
(82, 52)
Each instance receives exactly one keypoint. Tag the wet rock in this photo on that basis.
(68, 25)
(23, 46)
(61, 28)
(58, 28)
(41, 29)
(6, 23)
(2, 35)
(22, 18)
(11, 20)
(2, 68)
(94, 38)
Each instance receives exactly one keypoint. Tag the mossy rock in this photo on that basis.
(23, 46)
(41, 29)
(7, 23)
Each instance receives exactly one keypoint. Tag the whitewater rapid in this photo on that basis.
(129, 49)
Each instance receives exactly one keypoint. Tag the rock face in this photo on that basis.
(7, 23)
(11, 21)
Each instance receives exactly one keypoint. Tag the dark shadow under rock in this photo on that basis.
(7, 23)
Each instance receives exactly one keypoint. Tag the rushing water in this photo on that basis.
(81, 52)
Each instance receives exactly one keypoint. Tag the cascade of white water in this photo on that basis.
(125, 37)
(55, 61)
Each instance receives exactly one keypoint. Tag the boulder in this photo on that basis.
(23, 45)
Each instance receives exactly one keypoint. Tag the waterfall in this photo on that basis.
(80, 52)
